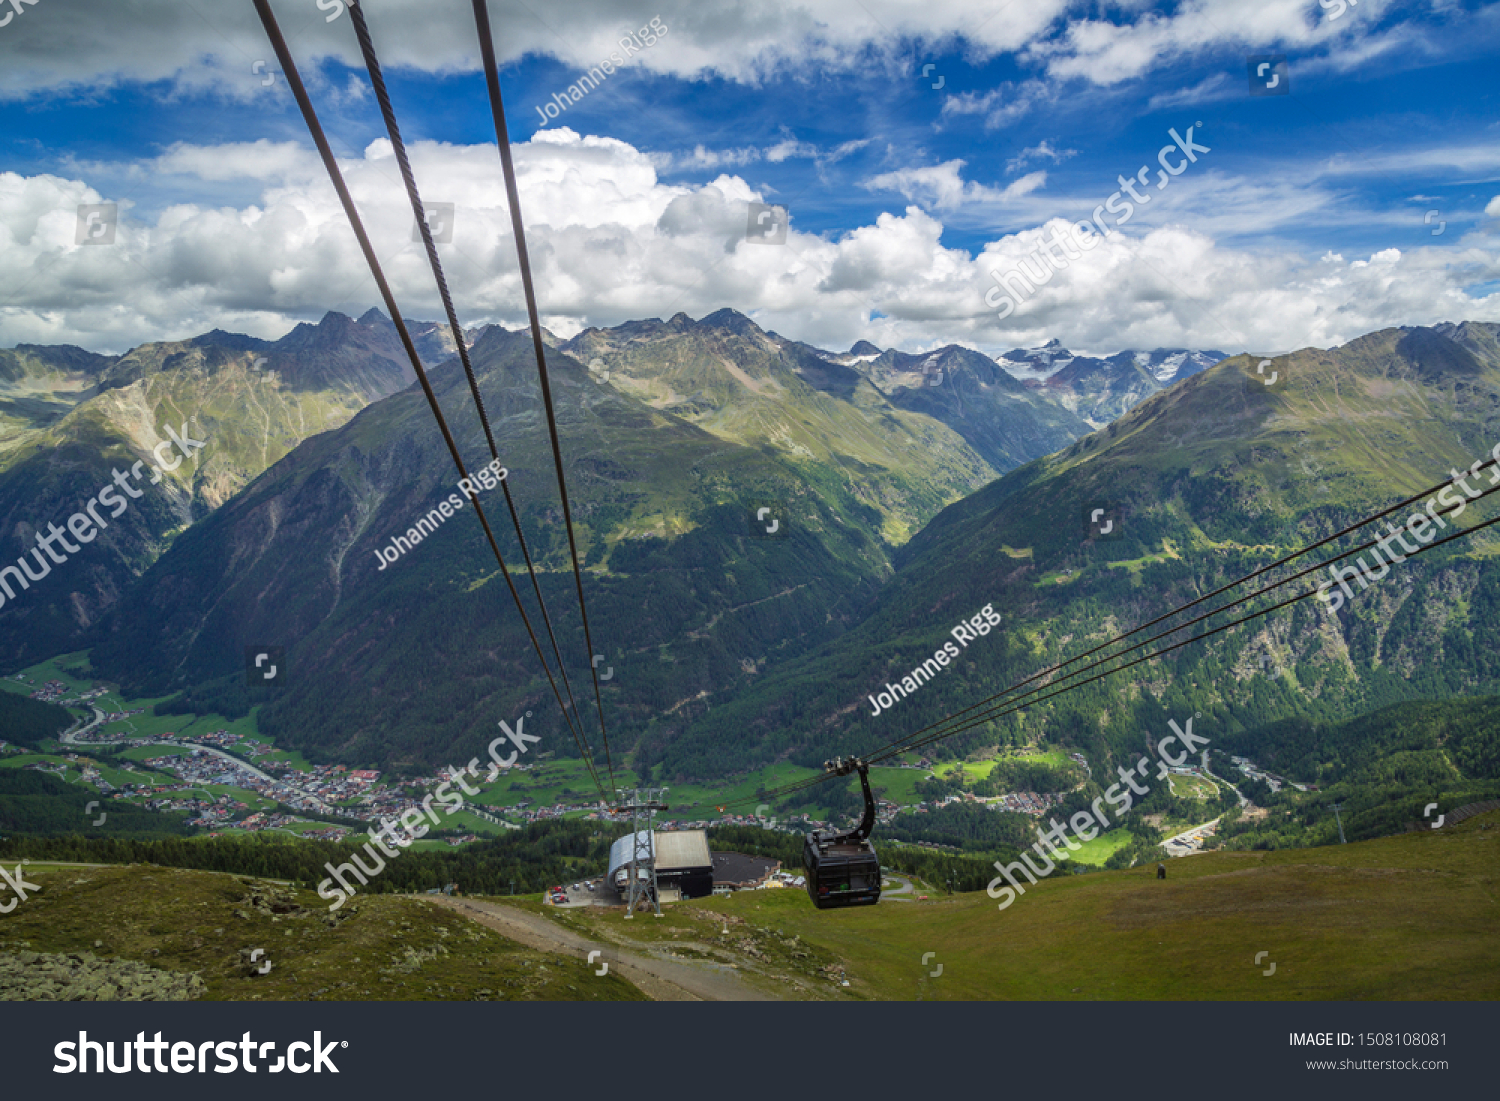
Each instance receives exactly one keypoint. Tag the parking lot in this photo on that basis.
(579, 894)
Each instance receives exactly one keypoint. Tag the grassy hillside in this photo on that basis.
(1408, 917)
(375, 948)
(41, 805)
(841, 433)
(1460, 739)
(39, 384)
(1384, 769)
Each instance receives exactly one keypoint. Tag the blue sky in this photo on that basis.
(1310, 221)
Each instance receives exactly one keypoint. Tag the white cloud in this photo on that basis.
(1000, 105)
(257, 160)
(1172, 286)
(1107, 53)
(85, 47)
(1042, 151)
(702, 157)
(790, 148)
(611, 242)
(98, 44)
(786, 149)
(1210, 88)
(941, 186)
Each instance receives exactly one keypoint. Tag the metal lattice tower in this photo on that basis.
(643, 805)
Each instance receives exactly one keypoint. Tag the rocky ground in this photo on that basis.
(84, 977)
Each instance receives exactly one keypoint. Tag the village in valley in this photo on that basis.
(227, 778)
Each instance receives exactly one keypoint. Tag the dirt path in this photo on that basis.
(660, 980)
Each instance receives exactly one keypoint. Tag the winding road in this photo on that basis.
(887, 893)
(71, 736)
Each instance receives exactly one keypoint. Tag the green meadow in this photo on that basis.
(1411, 917)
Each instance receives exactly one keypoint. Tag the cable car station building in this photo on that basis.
(684, 866)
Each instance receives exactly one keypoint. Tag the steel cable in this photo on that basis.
(330, 163)
(512, 191)
(393, 130)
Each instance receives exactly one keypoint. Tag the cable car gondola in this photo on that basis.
(842, 868)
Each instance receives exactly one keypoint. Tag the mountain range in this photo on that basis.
(1099, 390)
(69, 418)
(900, 506)
(1204, 482)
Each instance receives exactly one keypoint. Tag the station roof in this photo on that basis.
(680, 850)
(675, 851)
